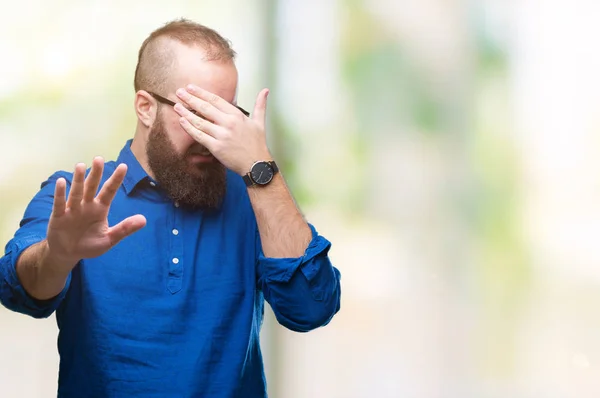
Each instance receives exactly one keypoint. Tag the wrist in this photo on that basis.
(41, 275)
(261, 173)
(246, 166)
(54, 263)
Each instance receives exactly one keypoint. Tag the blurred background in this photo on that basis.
(449, 149)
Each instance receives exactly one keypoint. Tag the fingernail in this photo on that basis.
(191, 88)
(181, 93)
(178, 107)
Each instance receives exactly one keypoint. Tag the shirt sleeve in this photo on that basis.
(32, 230)
(303, 292)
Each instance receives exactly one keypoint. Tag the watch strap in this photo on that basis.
(248, 180)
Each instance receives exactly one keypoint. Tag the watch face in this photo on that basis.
(262, 173)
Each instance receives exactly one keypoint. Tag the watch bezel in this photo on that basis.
(268, 166)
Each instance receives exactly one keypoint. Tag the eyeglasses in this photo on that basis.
(167, 101)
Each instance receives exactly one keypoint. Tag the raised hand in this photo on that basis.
(235, 140)
(78, 227)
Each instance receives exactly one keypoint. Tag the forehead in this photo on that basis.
(191, 67)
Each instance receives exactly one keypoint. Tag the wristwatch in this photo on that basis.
(261, 173)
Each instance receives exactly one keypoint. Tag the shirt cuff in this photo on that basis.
(282, 269)
(19, 300)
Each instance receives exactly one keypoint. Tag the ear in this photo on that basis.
(145, 108)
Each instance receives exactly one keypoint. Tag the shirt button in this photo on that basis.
(175, 260)
(152, 183)
(176, 204)
(175, 232)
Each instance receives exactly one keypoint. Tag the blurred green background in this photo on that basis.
(448, 148)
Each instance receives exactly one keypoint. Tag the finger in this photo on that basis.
(125, 228)
(203, 138)
(202, 108)
(111, 186)
(60, 200)
(76, 192)
(198, 122)
(213, 99)
(260, 108)
(93, 180)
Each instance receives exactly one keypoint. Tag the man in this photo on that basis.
(157, 265)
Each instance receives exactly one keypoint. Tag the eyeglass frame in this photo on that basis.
(167, 101)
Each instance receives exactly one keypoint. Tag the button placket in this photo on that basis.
(175, 280)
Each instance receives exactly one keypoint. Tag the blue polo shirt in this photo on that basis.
(175, 310)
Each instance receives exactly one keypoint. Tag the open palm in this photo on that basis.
(78, 227)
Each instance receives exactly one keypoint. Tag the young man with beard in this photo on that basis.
(158, 264)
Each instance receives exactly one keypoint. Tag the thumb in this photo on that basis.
(125, 228)
(260, 108)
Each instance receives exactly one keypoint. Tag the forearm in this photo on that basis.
(283, 231)
(42, 275)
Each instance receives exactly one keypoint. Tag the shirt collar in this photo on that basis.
(135, 171)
